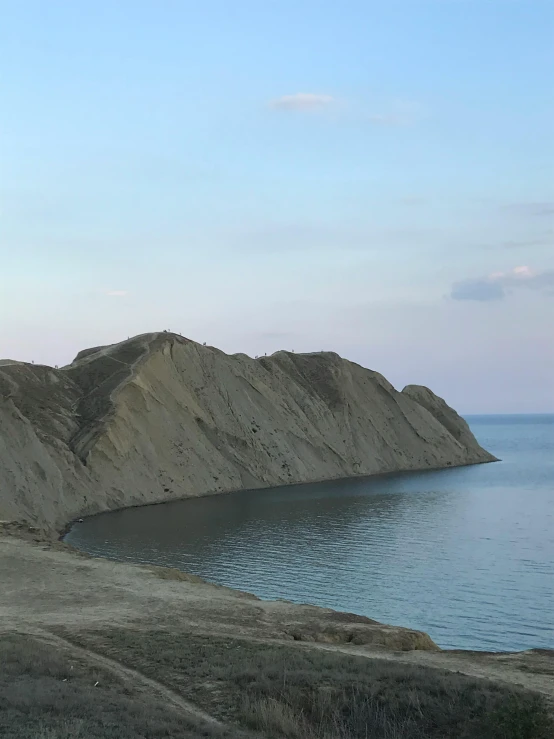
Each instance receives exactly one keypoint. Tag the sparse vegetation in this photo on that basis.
(45, 694)
(302, 693)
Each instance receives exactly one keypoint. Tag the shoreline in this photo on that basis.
(169, 567)
(28, 536)
(285, 419)
(36, 536)
(61, 532)
(117, 610)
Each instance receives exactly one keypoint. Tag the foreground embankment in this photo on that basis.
(115, 649)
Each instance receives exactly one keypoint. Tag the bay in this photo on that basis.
(465, 554)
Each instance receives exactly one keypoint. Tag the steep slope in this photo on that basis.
(160, 417)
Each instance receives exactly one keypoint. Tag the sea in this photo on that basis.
(465, 554)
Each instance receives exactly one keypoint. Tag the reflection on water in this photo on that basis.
(466, 554)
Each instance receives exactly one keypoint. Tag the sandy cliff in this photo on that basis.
(160, 417)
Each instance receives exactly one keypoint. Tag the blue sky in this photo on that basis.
(375, 178)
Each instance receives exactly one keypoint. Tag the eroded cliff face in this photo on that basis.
(160, 417)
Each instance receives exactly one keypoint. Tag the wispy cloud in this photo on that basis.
(116, 293)
(499, 284)
(535, 209)
(399, 113)
(412, 200)
(481, 289)
(387, 113)
(275, 335)
(387, 119)
(332, 237)
(546, 240)
(302, 101)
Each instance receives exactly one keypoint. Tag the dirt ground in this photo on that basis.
(47, 586)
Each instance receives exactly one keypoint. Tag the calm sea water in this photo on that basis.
(466, 555)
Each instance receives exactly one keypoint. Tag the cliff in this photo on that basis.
(160, 417)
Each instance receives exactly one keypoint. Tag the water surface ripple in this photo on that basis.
(466, 555)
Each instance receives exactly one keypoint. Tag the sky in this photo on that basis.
(371, 178)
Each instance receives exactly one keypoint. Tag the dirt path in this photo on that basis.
(47, 587)
(133, 677)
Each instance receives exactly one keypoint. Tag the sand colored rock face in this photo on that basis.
(160, 417)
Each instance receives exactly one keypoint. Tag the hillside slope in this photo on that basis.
(160, 417)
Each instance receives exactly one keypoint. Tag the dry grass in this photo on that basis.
(301, 693)
(45, 694)
(314, 712)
